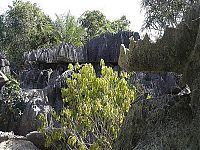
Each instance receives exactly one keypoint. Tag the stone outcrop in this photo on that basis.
(156, 84)
(106, 47)
(170, 121)
(45, 68)
(36, 103)
(62, 53)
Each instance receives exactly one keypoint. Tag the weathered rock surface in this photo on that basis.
(156, 84)
(3, 79)
(9, 141)
(106, 47)
(170, 121)
(36, 103)
(37, 139)
(62, 53)
(13, 144)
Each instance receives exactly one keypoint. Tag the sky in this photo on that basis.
(112, 9)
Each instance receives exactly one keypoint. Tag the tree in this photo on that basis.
(163, 13)
(26, 27)
(69, 30)
(95, 23)
(121, 24)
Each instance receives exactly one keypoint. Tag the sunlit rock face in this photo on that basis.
(169, 121)
(57, 54)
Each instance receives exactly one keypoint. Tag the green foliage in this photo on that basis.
(121, 24)
(69, 30)
(95, 109)
(26, 28)
(163, 13)
(2, 29)
(11, 103)
(96, 23)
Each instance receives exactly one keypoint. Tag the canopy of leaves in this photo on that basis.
(121, 24)
(26, 27)
(12, 105)
(163, 13)
(69, 30)
(96, 23)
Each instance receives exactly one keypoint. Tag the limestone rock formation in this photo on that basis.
(123, 57)
(62, 53)
(156, 84)
(36, 103)
(106, 47)
(169, 121)
(4, 69)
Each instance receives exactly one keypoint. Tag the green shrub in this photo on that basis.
(96, 107)
(11, 104)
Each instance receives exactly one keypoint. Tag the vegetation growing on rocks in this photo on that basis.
(95, 108)
(11, 104)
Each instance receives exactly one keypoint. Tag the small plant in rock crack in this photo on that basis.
(11, 104)
(96, 107)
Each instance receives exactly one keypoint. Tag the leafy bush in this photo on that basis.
(11, 104)
(96, 107)
(69, 30)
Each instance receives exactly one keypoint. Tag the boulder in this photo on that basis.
(158, 123)
(37, 139)
(9, 141)
(13, 144)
